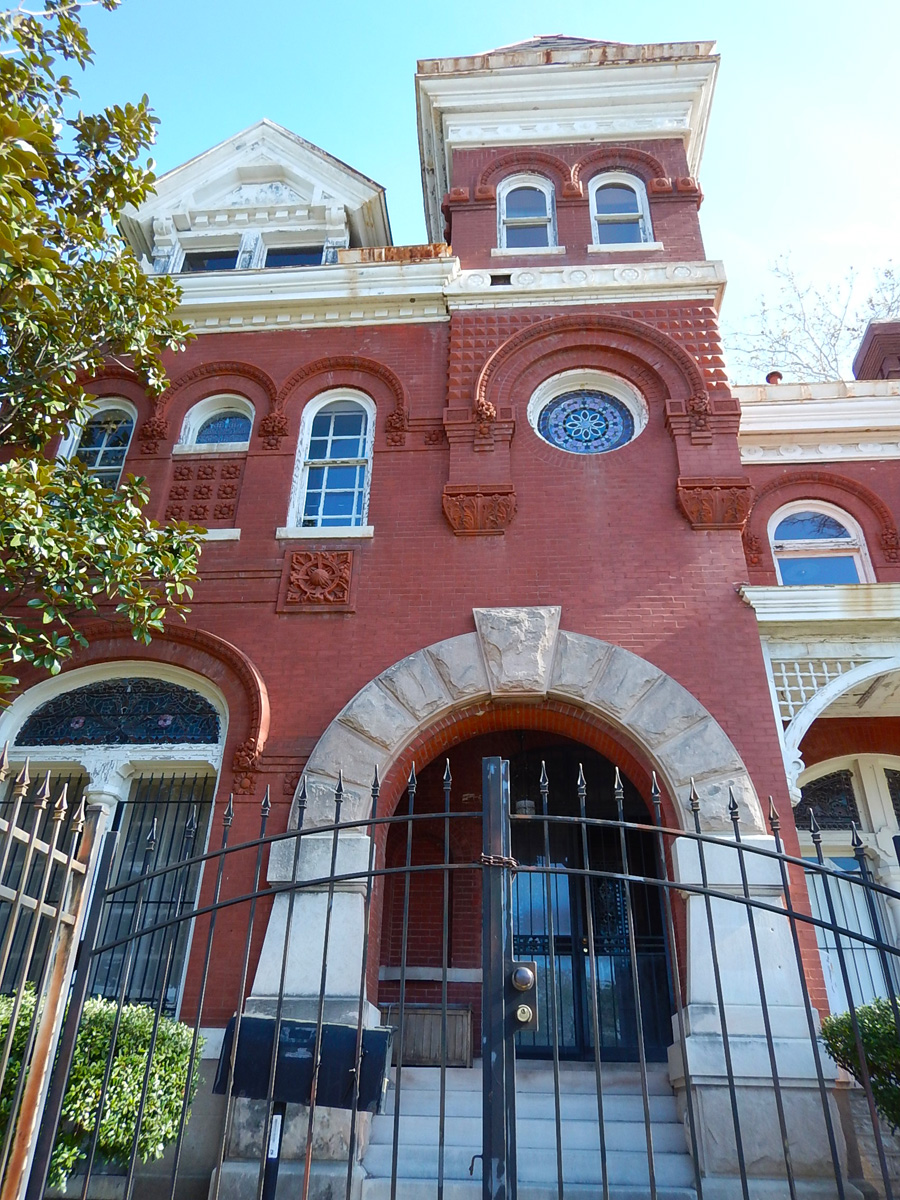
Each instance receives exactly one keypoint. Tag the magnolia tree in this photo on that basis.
(808, 332)
(73, 297)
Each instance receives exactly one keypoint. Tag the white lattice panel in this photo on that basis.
(798, 680)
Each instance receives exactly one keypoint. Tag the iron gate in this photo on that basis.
(749, 1096)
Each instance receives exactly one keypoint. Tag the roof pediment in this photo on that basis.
(265, 167)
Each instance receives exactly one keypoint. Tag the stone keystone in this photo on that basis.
(518, 645)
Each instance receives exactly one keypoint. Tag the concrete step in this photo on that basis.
(470, 1189)
(619, 1078)
(535, 1165)
(616, 1107)
(534, 1132)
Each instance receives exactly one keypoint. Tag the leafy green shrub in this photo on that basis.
(165, 1092)
(881, 1046)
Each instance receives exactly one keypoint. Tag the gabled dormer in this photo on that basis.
(265, 198)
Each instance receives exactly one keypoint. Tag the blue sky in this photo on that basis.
(801, 158)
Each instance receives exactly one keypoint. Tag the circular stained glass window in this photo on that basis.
(586, 422)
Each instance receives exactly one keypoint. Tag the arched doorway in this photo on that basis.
(557, 914)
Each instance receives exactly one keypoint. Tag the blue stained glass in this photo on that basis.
(809, 526)
(586, 422)
(122, 712)
(224, 427)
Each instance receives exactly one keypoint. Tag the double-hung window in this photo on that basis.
(525, 213)
(103, 445)
(815, 543)
(620, 214)
(336, 451)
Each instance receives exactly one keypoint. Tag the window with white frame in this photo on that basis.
(620, 212)
(101, 443)
(333, 468)
(525, 211)
(151, 744)
(217, 424)
(815, 543)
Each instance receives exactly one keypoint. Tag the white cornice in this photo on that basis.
(590, 283)
(561, 102)
(836, 602)
(311, 297)
(820, 422)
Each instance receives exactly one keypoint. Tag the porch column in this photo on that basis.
(721, 933)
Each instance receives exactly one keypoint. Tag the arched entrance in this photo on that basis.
(588, 911)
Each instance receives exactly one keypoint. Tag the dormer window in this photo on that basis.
(295, 256)
(620, 214)
(212, 260)
(525, 213)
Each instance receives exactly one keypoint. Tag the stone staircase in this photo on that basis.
(536, 1134)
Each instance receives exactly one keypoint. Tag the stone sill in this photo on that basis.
(214, 448)
(625, 247)
(524, 251)
(221, 535)
(289, 532)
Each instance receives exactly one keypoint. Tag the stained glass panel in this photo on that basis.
(893, 782)
(831, 798)
(586, 422)
(224, 427)
(117, 712)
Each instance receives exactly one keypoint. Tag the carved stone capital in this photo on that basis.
(716, 503)
(475, 511)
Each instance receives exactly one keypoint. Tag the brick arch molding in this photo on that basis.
(274, 425)
(534, 161)
(611, 158)
(156, 427)
(678, 370)
(221, 663)
(519, 660)
(825, 485)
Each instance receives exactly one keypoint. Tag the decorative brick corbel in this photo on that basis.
(272, 428)
(244, 764)
(474, 510)
(154, 430)
(661, 186)
(716, 502)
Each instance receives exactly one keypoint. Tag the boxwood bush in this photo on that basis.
(165, 1094)
(881, 1047)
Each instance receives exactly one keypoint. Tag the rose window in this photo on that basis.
(586, 422)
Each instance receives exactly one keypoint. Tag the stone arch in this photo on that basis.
(517, 656)
(681, 377)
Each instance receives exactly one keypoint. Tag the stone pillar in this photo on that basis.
(728, 933)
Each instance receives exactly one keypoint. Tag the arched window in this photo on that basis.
(103, 444)
(333, 466)
(620, 213)
(586, 412)
(151, 745)
(814, 543)
(525, 213)
(217, 424)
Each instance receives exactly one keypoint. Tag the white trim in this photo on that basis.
(201, 412)
(69, 443)
(526, 180)
(601, 94)
(221, 535)
(624, 247)
(643, 222)
(589, 283)
(289, 532)
(853, 547)
(826, 602)
(568, 381)
(519, 251)
(298, 482)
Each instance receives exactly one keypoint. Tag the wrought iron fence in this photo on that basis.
(637, 938)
